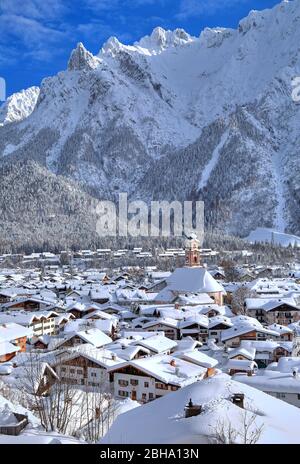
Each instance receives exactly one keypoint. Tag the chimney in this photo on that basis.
(238, 399)
(192, 409)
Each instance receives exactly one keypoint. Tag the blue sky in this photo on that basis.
(37, 36)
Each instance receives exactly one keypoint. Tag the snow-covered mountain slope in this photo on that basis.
(272, 236)
(19, 106)
(42, 210)
(179, 117)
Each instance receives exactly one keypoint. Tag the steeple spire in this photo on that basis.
(192, 251)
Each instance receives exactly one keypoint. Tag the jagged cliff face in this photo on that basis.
(176, 117)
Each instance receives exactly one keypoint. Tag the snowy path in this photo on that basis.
(212, 162)
(280, 224)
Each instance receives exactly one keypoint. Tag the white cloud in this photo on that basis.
(37, 40)
(112, 5)
(29, 31)
(190, 8)
(34, 9)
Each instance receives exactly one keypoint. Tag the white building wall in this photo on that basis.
(97, 377)
(291, 398)
(127, 386)
(143, 392)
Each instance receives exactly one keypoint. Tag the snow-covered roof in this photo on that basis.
(193, 280)
(248, 352)
(130, 352)
(220, 310)
(167, 321)
(8, 348)
(216, 320)
(272, 381)
(158, 343)
(93, 336)
(105, 358)
(241, 364)
(12, 331)
(199, 319)
(25, 318)
(164, 420)
(198, 299)
(280, 329)
(243, 325)
(199, 358)
(266, 345)
(269, 304)
(170, 370)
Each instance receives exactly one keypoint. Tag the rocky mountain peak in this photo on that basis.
(81, 59)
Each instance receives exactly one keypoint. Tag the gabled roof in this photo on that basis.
(217, 320)
(158, 343)
(243, 325)
(272, 381)
(198, 319)
(12, 331)
(173, 323)
(269, 304)
(280, 329)
(241, 364)
(193, 280)
(169, 370)
(8, 348)
(93, 336)
(248, 352)
(103, 357)
(131, 351)
(199, 358)
(26, 318)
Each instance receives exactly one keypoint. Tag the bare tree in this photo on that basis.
(99, 409)
(246, 432)
(230, 270)
(48, 396)
(250, 432)
(239, 298)
(224, 433)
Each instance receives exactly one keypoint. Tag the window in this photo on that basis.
(144, 396)
(123, 383)
(123, 393)
(298, 396)
(146, 384)
(134, 382)
(214, 333)
(161, 386)
(280, 395)
(63, 369)
(79, 371)
(150, 396)
(72, 371)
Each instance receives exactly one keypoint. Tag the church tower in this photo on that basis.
(192, 252)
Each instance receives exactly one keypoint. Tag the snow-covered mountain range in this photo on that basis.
(174, 117)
